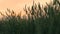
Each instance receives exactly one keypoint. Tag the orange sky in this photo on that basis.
(18, 5)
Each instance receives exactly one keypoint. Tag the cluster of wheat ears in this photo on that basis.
(40, 20)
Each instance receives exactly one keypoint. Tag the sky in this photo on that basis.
(18, 5)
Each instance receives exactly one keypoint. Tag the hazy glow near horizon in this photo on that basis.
(15, 4)
(18, 5)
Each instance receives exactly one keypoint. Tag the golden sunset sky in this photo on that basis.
(18, 5)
